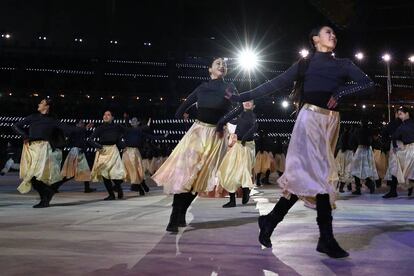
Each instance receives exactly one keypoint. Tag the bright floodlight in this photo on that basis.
(359, 55)
(411, 59)
(304, 53)
(364, 106)
(248, 60)
(285, 104)
(386, 57)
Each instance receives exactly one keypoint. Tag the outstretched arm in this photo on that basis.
(189, 101)
(284, 80)
(360, 80)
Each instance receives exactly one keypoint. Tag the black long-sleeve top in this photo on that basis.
(277, 147)
(246, 126)
(212, 102)
(108, 134)
(134, 137)
(387, 133)
(325, 77)
(363, 136)
(345, 141)
(41, 127)
(404, 133)
(77, 137)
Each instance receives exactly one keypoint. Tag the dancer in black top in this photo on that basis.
(131, 155)
(192, 166)
(363, 163)
(405, 154)
(41, 158)
(321, 82)
(108, 166)
(344, 160)
(236, 168)
(393, 166)
(76, 166)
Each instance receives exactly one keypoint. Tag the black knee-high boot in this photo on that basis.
(109, 189)
(246, 195)
(370, 184)
(378, 183)
(87, 187)
(265, 180)
(232, 202)
(118, 188)
(269, 222)
(393, 188)
(42, 196)
(327, 243)
(57, 185)
(357, 186)
(145, 186)
(341, 187)
(188, 198)
(258, 184)
(177, 206)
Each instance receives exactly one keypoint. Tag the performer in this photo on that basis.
(279, 156)
(310, 163)
(405, 154)
(131, 156)
(108, 166)
(192, 166)
(41, 158)
(380, 157)
(363, 164)
(263, 159)
(236, 168)
(76, 166)
(393, 167)
(344, 160)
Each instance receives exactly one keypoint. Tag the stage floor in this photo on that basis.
(83, 235)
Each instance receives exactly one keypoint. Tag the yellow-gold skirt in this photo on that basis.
(263, 162)
(131, 157)
(193, 164)
(236, 168)
(76, 166)
(381, 162)
(39, 161)
(108, 164)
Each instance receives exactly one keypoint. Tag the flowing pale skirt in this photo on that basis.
(131, 157)
(76, 166)
(236, 168)
(39, 161)
(193, 165)
(310, 163)
(363, 164)
(344, 161)
(108, 164)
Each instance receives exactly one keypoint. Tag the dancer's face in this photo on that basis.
(326, 40)
(43, 107)
(218, 69)
(107, 117)
(403, 115)
(248, 105)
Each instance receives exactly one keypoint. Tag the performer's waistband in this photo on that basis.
(409, 145)
(38, 142)
(247, 142)
(320, 110)
(204, 124)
